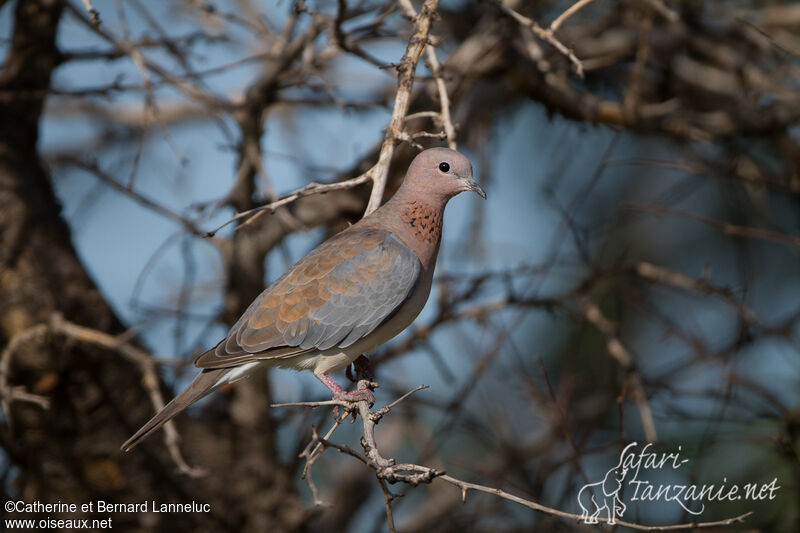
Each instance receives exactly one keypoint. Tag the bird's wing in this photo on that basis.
(337, 294)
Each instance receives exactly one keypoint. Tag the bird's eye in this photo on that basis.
(444, 167)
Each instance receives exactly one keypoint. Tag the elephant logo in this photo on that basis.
(603, 495)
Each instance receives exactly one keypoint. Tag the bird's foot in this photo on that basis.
(347, 396)
(362, 369)
(355, 396)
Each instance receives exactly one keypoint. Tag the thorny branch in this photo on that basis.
(390, 471)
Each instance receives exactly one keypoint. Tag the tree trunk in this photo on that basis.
(70, 452)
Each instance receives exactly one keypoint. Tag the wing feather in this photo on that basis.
(337, 294)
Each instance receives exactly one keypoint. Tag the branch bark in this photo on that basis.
(405, 83)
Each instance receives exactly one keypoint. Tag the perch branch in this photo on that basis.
(388, 470)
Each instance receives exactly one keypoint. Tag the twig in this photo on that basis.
(679, 280)
(620, 353)
(194, 92)
(380, 413)
(378, 173)
(408, 9)
(661, 9)
(478, 312)
(545, 34)
(312, 455)
(441, 87)
(726, 228)
(388, 497)
(107, 179)
(405, 81)
(444, 99)
(146, 365)
(59, 326)
(314, 405)
(630, 102)
(465, 486)
(94, 15)
(422, 114)
(571, 10)
(561, 422)
(308, 190)
(11, 394)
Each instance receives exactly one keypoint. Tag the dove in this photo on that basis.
(346, 297)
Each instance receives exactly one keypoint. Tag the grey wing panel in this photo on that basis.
(382, 279)
(336, 295)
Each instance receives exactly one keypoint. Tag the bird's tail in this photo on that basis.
(205, 383)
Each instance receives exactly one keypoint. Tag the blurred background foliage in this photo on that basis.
(634, 275)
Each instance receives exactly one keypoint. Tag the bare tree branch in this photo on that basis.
(413, 474)
(405, 82)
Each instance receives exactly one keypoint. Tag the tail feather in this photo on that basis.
(205, 383)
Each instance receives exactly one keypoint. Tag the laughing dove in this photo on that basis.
(350, 294)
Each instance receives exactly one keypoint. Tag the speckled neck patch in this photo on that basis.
(424, 222)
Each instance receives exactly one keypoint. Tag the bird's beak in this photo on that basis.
(472, 185)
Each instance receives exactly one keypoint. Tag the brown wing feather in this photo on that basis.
(338, 293)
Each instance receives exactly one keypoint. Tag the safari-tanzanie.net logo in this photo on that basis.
(629, 481)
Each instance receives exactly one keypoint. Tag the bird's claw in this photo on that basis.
(355, 396)
(352, 397)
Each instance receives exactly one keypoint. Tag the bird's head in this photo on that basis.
(441, 173)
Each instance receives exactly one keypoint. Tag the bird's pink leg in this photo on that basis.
(341, 394)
